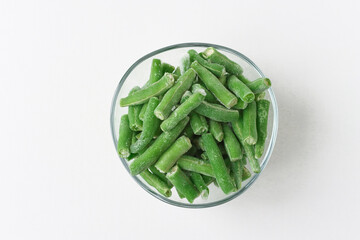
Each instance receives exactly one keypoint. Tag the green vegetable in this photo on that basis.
(174, 94)
(260, 96)
(152, 90)
(216, 57)
(262, 107)
(199, 183)
(217, 112)
(216, 130)
(214, 85)
(249, 124)
(160, 175)
(245, 174)
(209, 96)
(232, 145)
(182, 183)
(142, 112)
(217, 162)
(182, 111)
(217, 69)
(198, 124)
(155, 73)
(185, 63)
(194, 164)
(170, 156)
(133, 112)
(240, 104)
(259, 85)
(125, 136)
(188, 131)
(236, 169)
(161, 144)
(156, 182)
(150, 127)
(240, 89)
(167, 68)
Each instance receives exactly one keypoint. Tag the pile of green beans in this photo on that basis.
(194, 125)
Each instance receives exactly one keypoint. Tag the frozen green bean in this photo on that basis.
(260, 96)
(243, 79)
(200, 184)
(240, 89)
(156, 182)
(216, 130)
(217, 112)
(236, 172)
(209, 96)
(151, 125)
(262, 107)
(155, 73)
(240, 104)
(245, 174)
(182, 183)
(194, 164)
(232, 145)
(208, 180)
(142, 112)
(125, 136)
(216, 57)
(216, 69)
(259, 85)
(198, 124)
(177, 72)
(152, 90)
(161, 144)
(249, 124)
(185, 96)
(160, 175)
(214, 85)
(185, 63)
(133, 112)
(167, 68)
(249, 149)
(173, 96)
(181, 196)
(170, 156)
(182, 111)
(223, 79)
(217, 162)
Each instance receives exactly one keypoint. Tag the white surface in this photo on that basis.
(60, 61)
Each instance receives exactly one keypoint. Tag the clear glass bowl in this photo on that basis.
(139, 73)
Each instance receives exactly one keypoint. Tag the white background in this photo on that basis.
(60, 62)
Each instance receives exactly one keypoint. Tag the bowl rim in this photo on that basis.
(267, 154)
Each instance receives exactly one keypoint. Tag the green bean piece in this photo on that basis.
(217, 112)
(237, 172)
(245, 174)
(216, 57)
(182, 183)
(177, 71)
(260, 96)
(167, 68)
(198, 124)
(152, 90)
(185, 96)
(170, 156)
(194, 164)
(188, 131)
(240, 104)
(181, 196)
(161, 144)
(173, 96)
(204, 156)
(216, 130)
(182, 111)
(156, 182)
(157, 133)
(249, 123)
(155, 73)
(142, 112)
(232, 145)
(125, 135)
(243, 79)
(262, 107)
(249, 149)
(160, 175)
(209, 96)
(214, 85)
(133, 112)
(216, 69)
(223, 79)
(259, 85)
(240, 89)
(200, 184)
(185, 63)
(208, 180)
(151, 125)
(217, 162)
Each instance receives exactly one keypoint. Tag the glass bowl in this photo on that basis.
(139, 73)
